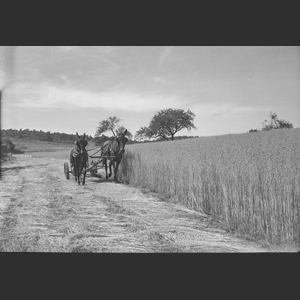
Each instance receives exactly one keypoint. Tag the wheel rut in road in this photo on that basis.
(41, 211)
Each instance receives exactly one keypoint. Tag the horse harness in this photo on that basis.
(107, 148)
(76, 151)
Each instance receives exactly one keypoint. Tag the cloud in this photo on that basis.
(228, 109)
(67, 48)
(64, 79)
(208, 109)
(46, 96)
(165, 55)
(246, 109)
(159, 79)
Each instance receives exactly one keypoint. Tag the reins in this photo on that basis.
(93, 149)
(119, 152)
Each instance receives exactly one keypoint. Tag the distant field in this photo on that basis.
(45, 149)
(249, 181)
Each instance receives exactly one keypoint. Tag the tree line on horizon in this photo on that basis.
(68, 138)
(162, 127)
(40, 135)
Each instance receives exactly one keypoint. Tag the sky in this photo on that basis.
(71, 89)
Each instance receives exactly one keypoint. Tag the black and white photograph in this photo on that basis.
(150, 149)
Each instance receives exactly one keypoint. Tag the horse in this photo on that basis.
(79, 158)
(114, 148)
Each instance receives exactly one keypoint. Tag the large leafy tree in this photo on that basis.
(166, 123)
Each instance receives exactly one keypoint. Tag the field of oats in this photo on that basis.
(251, 181)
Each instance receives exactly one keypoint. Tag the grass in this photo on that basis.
(251, 182)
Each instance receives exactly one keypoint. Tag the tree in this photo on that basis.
(107, 125)
(111, 124)
(166, 123)
(48, 137)
(274, 123)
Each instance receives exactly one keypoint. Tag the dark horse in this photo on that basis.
(79, 159)
(114, 148)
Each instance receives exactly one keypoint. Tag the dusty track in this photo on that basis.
(42, 211)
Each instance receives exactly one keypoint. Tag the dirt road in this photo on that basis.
(42, 211)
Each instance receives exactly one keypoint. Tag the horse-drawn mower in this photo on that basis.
(93, 169)
(110, 150)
